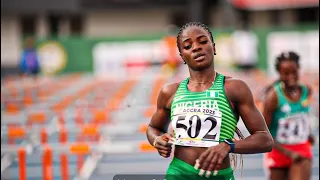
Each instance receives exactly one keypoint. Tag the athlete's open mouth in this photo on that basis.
(199, 56)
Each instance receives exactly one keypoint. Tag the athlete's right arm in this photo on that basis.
(270, 105)
(157, 130)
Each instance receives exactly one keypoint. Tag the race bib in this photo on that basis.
(293, 129)
(198, 127)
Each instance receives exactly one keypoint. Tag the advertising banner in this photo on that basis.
(273, 4)
(52, 57)
(107, 56)
(111, 58)
(65, 55)
(306, 44)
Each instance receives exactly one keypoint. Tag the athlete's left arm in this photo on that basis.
(311, 137)
(260, 140)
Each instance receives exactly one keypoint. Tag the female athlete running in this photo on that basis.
(204, 110)
(286, 108)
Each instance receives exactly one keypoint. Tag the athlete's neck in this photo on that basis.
(203, 76)
(291, 91)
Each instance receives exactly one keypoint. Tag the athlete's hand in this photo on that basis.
(295, 157)
(212, 159)
(311, 139)
(163, 144)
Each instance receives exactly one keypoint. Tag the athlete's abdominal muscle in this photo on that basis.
(190, 154)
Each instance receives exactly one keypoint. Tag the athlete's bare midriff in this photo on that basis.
(190, 154)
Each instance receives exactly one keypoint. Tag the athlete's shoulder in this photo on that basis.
(168, 90)
(308, 87)
(270, 99)
(236, 89)
(271, 94)
(167, 93)
(235, 83)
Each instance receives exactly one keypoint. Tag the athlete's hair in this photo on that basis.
(190, 24)
(287, 56)
(234, 159)
(284, 56)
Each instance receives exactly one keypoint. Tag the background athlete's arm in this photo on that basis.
(311, 138)
(260, 139)
(270, 104)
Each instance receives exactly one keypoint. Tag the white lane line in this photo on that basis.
(91, 162)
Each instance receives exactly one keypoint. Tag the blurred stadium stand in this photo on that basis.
(96, 18)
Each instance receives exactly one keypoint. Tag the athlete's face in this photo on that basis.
(196, 48)
(289, 73)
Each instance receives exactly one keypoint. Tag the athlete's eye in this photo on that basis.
(187, 47)
(203, 42)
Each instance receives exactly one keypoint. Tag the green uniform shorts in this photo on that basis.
(180, 170)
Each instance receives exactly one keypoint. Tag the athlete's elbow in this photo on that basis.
(268, 144)
(149, 131)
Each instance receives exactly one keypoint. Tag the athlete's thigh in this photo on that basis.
(301, 170)
(278, 174)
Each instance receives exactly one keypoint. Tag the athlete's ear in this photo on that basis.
(184, 62)
(214, 49)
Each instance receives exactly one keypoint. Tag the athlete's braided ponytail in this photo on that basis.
(234, 157)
